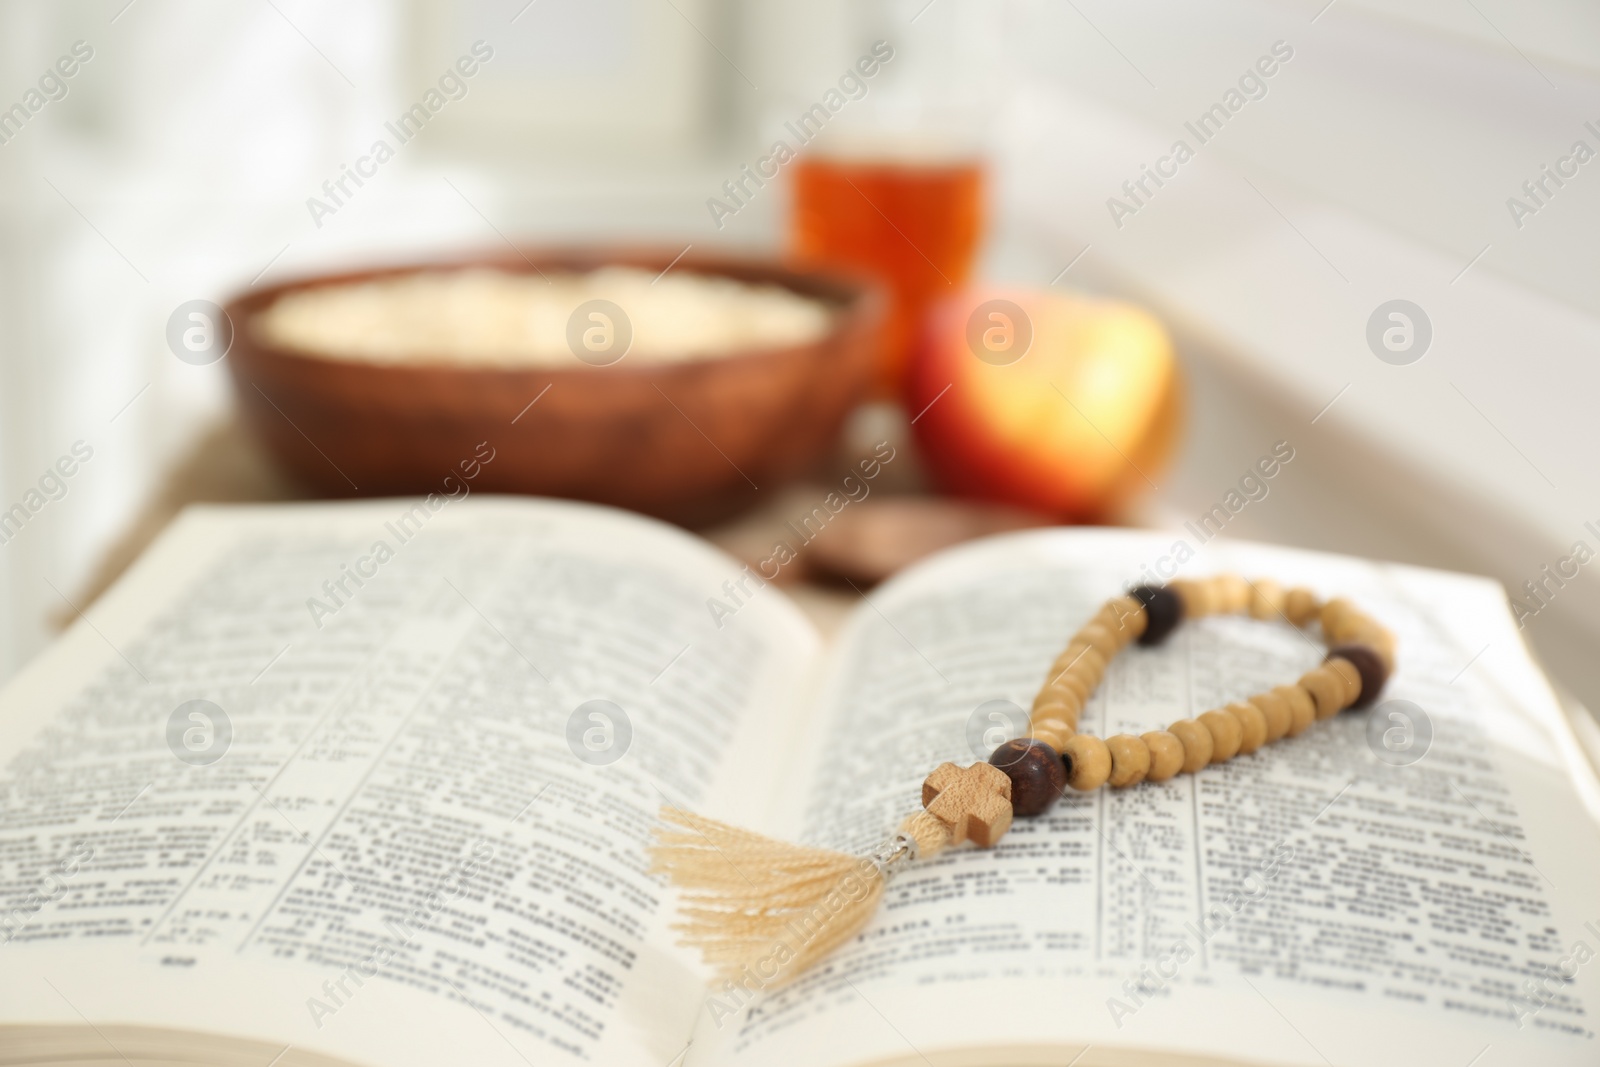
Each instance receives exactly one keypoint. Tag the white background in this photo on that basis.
(1378, 166)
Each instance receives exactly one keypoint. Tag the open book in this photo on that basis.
(373, 784)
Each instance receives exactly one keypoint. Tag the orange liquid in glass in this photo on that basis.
(913, 225)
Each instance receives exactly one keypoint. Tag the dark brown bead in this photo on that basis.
(1162, 611)
(1369, 665)
(1037, 774)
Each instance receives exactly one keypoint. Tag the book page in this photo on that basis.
(1378, 890)
(376, 781)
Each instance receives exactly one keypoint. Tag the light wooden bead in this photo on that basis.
(1370, 625)
(1047, 737)
(1075, 645)
(1088, 762)
(1233, 592)
(1120, 636)
(1053, 732)
(1061, 663)
(1055, 706)
(1333, 614)
(1090, 665)
(1266, 599)
(1302, 709)
(1123, 616)
(1351, 677)
(1276, 711)
(1080, 681)
(1069, 661)
(1130, 760)
(1343, 628)
(1063, 688)
(1101, 639)
(1375, 628)
(1377, 637)
(1356, 623)
(1301, 605)
(1197, 744)
(1226, 735)
(1252, 726)
(1106, 619)
(1061, 678)
(1078, 690)
(1084, 679)
(1207, 597)
(1074, 678)
(1327, 689)
(1196, 597)
(1068, 715)
(1056, 695)
(1166, 755)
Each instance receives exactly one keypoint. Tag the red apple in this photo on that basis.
(1063, 403)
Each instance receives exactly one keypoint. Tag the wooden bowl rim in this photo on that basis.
(852, 299)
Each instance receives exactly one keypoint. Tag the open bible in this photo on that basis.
(374, 783)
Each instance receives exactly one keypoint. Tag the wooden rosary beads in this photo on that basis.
(1026, 775)
(764, 908)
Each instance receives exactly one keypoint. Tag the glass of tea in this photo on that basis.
(911, 219)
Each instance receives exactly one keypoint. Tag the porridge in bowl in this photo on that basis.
(486, 317)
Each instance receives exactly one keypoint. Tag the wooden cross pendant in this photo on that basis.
(974, 803)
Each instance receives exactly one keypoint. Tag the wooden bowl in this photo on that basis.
(693, 441)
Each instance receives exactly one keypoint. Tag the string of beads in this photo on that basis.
(1026, 775)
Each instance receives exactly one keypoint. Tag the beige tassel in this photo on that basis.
(758, 907)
